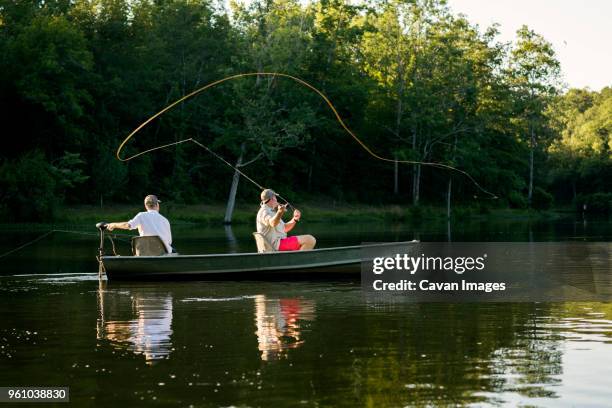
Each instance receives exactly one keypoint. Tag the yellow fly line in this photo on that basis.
(301, 82)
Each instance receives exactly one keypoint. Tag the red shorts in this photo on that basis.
(289, 244)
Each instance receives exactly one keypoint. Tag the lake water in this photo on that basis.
(304, 343)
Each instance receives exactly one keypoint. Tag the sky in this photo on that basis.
(580, 31)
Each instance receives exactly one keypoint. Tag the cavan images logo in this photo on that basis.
(489, 271)
(406, 264)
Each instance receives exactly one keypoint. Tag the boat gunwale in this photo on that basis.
(267, 269)
(249, 254)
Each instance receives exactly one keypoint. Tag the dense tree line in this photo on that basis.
(413, 80)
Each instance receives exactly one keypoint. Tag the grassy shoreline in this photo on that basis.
(312, 213)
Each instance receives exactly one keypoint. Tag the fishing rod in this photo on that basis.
(308, 86)
(236, 169)
(218, 156)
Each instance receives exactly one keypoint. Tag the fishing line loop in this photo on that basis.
(303, 83)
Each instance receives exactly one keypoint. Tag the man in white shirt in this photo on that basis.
(270, 223)
(149, 223)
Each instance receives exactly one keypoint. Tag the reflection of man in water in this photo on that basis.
(154, 327)
(148, 334)
(278, 327)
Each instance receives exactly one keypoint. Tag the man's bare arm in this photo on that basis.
(121, 225)
(289, 225)
(296, 217)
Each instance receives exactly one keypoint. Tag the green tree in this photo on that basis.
(534, 76)
(268, 116)
(32, 188)
(45, 74)
(581, 154)
(435, 74)
(335, 67)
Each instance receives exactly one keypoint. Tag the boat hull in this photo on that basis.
(320, 262)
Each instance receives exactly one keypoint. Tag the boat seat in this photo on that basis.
(263, 245)
(148, 246)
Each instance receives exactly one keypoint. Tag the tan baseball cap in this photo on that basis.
(151, 200)
(266, 195)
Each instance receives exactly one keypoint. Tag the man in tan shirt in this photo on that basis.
(270, 223)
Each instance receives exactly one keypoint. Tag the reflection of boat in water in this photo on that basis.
(278, 323)
(319, 262)
(147, 328)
